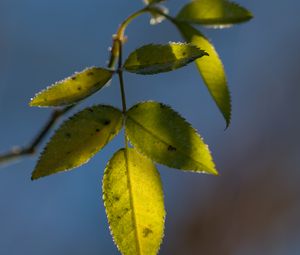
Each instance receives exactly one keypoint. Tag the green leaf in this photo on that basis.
(133, 199)
(164, 136)
(217, 13)
(73, 89)
(211, 69)
(79, 139)
(151, 59)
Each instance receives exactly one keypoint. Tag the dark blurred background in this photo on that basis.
(253, 207)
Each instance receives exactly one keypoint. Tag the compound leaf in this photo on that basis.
(133, 199)
(217, 13)
(164, 136)
(74, 88)
(211, 69)
(151, 59)
(79, 139)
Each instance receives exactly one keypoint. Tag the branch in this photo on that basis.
(31, 148)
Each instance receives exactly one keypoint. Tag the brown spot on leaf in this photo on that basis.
(146, 232)
(116, 198)
(106, 122)
(171, 148)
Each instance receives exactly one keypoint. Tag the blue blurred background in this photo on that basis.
(253, 207)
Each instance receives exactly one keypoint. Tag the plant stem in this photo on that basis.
(31, 148)
(122, 90)
(119, 36)
(120, 74)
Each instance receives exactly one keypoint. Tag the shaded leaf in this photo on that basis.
(211, 69)
(151, 59)
(73, 89)
(217, 13)
(133, 199)
(79, 139)
(164, 136)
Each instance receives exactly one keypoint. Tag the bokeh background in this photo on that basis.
(253, 207)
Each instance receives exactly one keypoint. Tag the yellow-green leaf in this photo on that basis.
(164, 136)
(151, 59)
(79, 139)
(73, 89)
(211, 69)
(217, 13)
(133, 199)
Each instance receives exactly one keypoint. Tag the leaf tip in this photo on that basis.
(32, 102)
(34, 176)
(215, 172)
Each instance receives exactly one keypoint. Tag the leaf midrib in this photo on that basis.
(178, 149)
(133, 217)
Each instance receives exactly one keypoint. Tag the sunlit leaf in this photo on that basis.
(73, 89)
(133, 199)
(217, 13)
(151, 59)
(211, 69)
(79, 139)
(164, 136)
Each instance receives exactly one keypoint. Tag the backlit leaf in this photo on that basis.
(210, 68)
(79, 139)
(164, 136)
(151, 59)
(133, 199)
(73, 89)
(217, 13)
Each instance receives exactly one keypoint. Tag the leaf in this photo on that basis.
(217, 13)
(155, 58)
(73, 89)
(133, 199)
(79, 139)
(211, 69)
(164, 136)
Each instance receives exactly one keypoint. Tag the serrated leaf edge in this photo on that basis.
(207, 171)
(57, 83)
(88, 159)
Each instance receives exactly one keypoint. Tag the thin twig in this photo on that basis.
(31, 148)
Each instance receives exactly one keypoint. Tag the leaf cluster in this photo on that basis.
(154, 132)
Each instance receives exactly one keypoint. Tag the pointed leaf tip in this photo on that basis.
(73, 89)
(164, 136)
(211, 69)
(133, 200)
(154, 58)
(79, 139)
